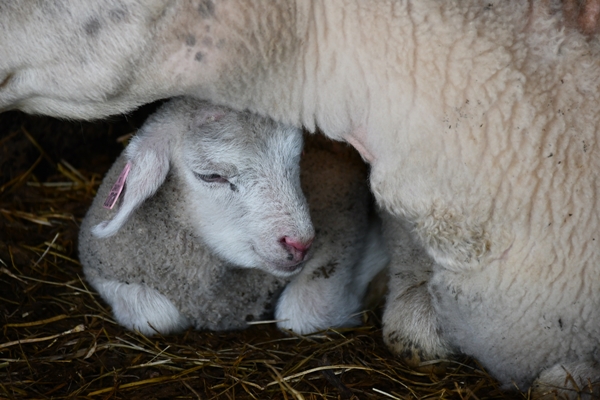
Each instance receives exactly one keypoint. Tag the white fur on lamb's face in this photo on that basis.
(244, 190)
(239, 176)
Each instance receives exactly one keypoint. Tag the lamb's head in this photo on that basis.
(240, 177)
(244, 197)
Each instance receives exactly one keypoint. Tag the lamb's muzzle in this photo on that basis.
(297, 248)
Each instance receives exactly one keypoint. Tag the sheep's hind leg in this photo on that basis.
(569, 381)
(141, 308)
(410, 325)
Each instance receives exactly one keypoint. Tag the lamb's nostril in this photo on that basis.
(297, 248)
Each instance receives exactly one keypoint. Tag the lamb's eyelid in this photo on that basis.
(223, 174)
(209, 168)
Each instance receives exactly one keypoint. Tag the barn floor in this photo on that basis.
(59, 340)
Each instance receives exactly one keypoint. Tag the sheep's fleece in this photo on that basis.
(175, 260)
(479, 118)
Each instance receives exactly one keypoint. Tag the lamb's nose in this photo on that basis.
(296, 248)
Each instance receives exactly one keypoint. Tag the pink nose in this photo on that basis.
(296, 248)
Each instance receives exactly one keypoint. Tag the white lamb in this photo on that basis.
(213, 225)
(479, 118)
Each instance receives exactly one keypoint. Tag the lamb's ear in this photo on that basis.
(149, 155)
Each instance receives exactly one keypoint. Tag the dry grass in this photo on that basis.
(60, 341)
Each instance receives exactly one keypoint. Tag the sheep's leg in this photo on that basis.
(569, 381)
(141, 308)
(410, 324)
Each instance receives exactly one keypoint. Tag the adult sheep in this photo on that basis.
(479, 120)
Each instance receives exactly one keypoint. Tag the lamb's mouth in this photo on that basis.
(291, 268)
(287, 270)
(280, 268)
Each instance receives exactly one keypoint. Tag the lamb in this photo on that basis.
(213, 227)
(479, 120)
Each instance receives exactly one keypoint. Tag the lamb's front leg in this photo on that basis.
(410, 324)
(330, 290)
(319, 298)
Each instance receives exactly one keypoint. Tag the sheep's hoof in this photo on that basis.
(416, 357)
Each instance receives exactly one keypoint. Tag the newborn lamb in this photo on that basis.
(213, 226)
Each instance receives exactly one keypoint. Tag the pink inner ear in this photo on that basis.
(115, 191)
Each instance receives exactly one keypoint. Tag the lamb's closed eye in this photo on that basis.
(211, 178)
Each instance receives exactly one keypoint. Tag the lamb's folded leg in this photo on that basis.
(317, 300)
(330, 290)
(410, 325)
(140, 308)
